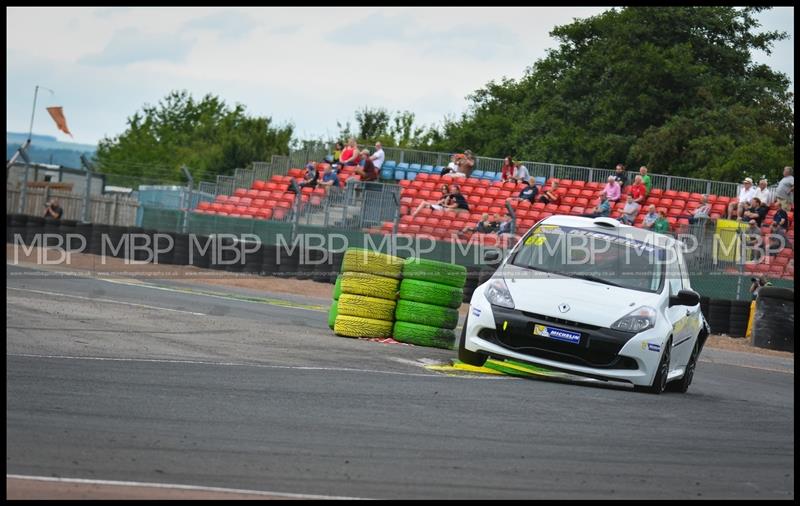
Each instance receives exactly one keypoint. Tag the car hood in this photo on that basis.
(589, 302)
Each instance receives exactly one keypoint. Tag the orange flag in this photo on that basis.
(57, 114)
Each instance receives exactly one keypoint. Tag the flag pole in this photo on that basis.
(33, 112)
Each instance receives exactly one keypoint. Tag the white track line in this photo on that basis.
(109, 301)
(176, 486)
(230, 364)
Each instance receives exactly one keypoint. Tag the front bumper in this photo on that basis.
(600, 353)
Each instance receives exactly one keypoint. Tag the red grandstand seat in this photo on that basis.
(578, 210)
(568, 200)
(258, 184)
(295, 172)
(566, 183)
(422, 176)
(405, 183)
(578, 184)
(679, 203)
(551, 208)
(665, 202)
(563, 209)
(656, 192)
(479, 191)
(670, 193)
(674, 212)
(588, 193)
(202, 206)
(240, 192)
(594, 186)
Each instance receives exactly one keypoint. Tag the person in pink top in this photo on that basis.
(611, 190)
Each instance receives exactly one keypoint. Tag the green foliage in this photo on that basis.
(207, 136)
(377, 124)
(670, 87)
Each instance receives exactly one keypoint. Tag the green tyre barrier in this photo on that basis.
(337, 288)
(366, 307)
(426, 314)
(370, 285)
(423, 335)
(332, 313)
(362, 260)
(435, 272)
(354, 326)
(430, 293)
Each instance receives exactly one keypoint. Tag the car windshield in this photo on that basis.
(597, 255)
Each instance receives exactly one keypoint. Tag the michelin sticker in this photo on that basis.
(653, 347)
(558, 334)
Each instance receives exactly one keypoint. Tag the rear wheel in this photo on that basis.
(466, 356)
(682, 385)
(660, 380)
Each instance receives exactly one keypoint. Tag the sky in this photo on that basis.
(309, 66)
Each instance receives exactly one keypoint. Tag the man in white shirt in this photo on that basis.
(786, 185)
(762, 192)
(746, 193)
(521, 173)
(378, 156)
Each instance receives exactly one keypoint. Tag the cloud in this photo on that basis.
(107, 12)
(129, 45)
(482, 42)
(228, 24)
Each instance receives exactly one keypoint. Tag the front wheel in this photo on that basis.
(682, 385)
(660, 380)
(466, 356)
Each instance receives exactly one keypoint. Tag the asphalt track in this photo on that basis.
(113, 381)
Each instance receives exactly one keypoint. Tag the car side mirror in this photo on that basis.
(491, 257)
(685, 298)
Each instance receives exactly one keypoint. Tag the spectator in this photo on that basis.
(452, 166)
(781, 218)
(53, 210)
(645, 179)
(611, 190)
(439, 205)
(639, 190)
(650, 218)
(738, 205)
(368, 172)
(757, 211)
(520, 173)
(778, 229)
(378, 156)
(330, 177)
(701, 212)
(551, 196)
(337, 152)
(619, 175)
(528, 193)
(785, 190)
(662, 224)
(762, 192)
(465, 165)
(630, 211)
(505, 225)
(484, 226)
(310, 177)
(507, 170)
(602, 209)
(350, 155)
(757, 284)
(753, 241)
(458, 202)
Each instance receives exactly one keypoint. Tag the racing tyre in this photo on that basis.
(337, 288)
(424, 335)
(435, 272)
(431, 293)
(426, 314)
(682, 385)
(354, 326)
(362, 260)
(366, 307)
(660, 380)
(333, 313)
(466, 356)
(370, 285)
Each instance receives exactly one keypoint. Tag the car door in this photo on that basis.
(677, 314)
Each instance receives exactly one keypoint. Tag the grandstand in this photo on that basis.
(486, 193)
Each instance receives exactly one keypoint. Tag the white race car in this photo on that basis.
(591, 297)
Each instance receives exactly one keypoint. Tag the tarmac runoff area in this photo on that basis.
(184, 388)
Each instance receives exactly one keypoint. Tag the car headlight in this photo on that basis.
(637, 320)
(497, 293)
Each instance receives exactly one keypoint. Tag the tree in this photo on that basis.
(673, 88)
(378, 125)
(207, 136)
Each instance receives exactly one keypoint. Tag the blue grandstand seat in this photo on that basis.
(438, 169)
(387, 173)
(540, 180)
(489, 175)
(426, 168)
(389, 164)
(400, 171)
(414, 167)
(497, 176)
(477, 174)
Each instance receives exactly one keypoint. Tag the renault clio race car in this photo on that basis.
(591, 297)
